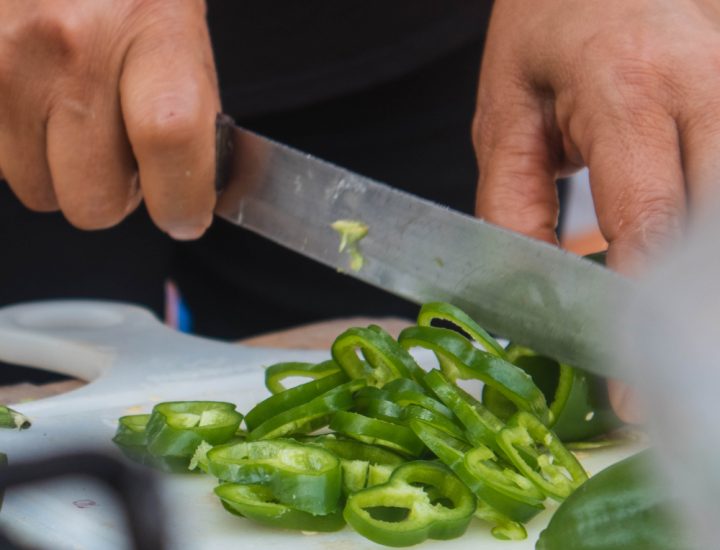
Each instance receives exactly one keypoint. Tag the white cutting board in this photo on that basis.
(133, 362)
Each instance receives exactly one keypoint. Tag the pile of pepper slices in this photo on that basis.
(409, 455)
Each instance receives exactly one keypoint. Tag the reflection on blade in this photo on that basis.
(528, 291)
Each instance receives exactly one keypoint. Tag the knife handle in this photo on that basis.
(223, 150)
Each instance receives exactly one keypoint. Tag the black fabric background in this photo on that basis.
(276, 55)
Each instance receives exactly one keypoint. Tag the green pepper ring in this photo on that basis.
(579, 400)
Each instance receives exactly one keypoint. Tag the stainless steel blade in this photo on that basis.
(521, 289)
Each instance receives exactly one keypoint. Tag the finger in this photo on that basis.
(92, 167)
(700, 140)
(169, 101)
(23, 163)
(625, 402)
(637, 181)
(518, 168)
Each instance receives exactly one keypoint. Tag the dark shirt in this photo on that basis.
(274, 55)
(383, 87)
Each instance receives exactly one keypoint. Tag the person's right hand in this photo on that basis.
(103, 102)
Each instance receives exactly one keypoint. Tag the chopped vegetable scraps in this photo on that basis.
(351, 233)
(12, 419)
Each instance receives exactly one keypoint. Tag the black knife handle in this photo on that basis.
(223, 150)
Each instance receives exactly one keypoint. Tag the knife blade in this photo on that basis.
(527, 291)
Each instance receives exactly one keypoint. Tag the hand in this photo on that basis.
(630, 89)
(105, 101)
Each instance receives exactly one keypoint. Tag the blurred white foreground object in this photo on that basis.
(671, 342)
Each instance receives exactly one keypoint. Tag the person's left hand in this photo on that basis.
(630, 89)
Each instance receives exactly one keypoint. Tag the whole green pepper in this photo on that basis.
(623, 507)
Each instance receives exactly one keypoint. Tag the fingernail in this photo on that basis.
(187, 232)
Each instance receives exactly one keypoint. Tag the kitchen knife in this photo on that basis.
(528, 291)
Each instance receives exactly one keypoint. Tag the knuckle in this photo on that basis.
(59, 35)
(637, 67)
(634, 81)
(649, 218)
(176, 124)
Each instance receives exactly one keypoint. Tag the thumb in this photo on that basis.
(517, 165)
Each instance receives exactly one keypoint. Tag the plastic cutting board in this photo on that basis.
(132, 362)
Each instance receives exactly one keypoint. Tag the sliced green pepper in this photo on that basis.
(310, 416)
(177, 428)
(275, 374)
(130, 439)
(437, 420)
(385, 359)
(442, 311)
(350, 449)
(10, 418)
(131, 430)
(623, 507)
(483, 464)
(513, 505)
(293, 397)
(481, 426)
(579, 400)
(406, 392)
(363, 465)
(429, 502)
(377, 432)
(559, 473)
(503, 527)
(379, 473)
(257, 502)
(377, 405)
(354, 475)
(460, 359)
(305, 477)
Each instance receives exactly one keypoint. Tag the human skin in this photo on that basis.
(105, 103)
(629, 89)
